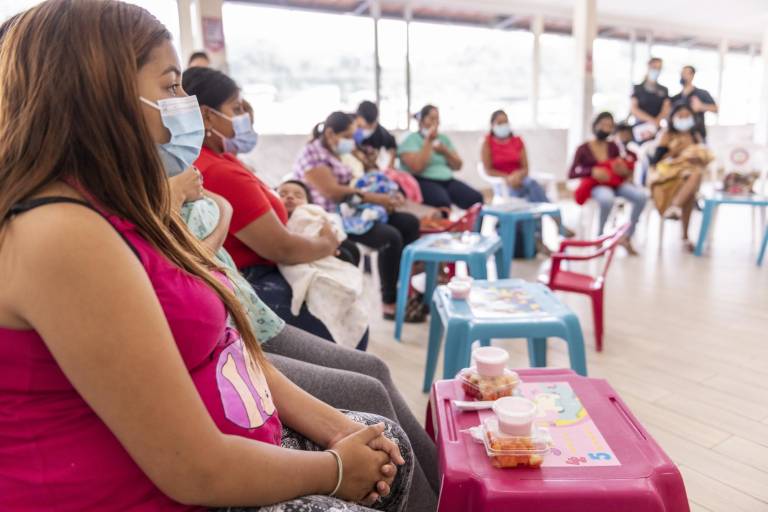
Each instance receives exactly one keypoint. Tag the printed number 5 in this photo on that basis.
(599, 456)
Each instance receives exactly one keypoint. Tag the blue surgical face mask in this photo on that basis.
(182, 117)
(653, 74)
(361, 134)
(683, 124)
(172, 165)
(502, 131)
(245, 138)
(345, 146)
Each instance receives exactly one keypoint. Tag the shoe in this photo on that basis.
(626, 243)
(543, 249)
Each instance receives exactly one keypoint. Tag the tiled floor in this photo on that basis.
(686, 346)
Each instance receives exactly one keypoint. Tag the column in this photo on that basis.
(720, 73)
(376, 15)
(584, 34)
(649, 42)
(189, 29)
(632, 56)
(408, 15)
(761, 128)
(537, 27)
(212, 32)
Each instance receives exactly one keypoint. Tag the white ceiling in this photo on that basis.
(739, 20)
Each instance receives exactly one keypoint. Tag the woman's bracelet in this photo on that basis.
(340, 466)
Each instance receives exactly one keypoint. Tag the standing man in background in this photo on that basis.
(199, 60)
(650, 103)
(699, 100)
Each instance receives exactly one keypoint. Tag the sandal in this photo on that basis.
(415, 310)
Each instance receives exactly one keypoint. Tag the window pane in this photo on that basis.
(8, 9)
(741, 89)
(296, 67)
(613, 77)
(469, 72)
(164, 10)
(167, 11)
(392, 49)
(557, 80)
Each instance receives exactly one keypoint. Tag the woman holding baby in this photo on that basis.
(319, 166)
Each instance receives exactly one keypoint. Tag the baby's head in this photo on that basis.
(293, 194)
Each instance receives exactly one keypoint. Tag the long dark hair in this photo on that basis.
(496, 113)
(424, 112)
(86, 125)
(600, 117)
(212, 87)
(337, 121)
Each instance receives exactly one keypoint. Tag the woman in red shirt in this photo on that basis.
(591, 161)
(504, 156)
(258, 239)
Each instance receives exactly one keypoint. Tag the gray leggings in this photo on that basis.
(358, 381)
(394, 502)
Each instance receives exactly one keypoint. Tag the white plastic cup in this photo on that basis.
(459, 289)
(490, 361)
(515, 415)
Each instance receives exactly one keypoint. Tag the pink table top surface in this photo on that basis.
(601, 454)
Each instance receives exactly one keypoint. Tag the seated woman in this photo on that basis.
(504, 156)
(342, 378)
(257, 239)
(678, 167)
(319, 166)
(432, 159)
(600, 160)
(129, 384)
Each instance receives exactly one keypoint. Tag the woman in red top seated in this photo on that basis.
(123, 385)
(257, 238)
(504, 156)
(601, 160)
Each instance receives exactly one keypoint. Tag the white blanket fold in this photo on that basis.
(331, 288)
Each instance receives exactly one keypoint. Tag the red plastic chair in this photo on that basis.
(567, 281)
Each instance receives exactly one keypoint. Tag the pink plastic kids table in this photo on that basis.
(601, 459)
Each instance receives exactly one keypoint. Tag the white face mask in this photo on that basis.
(502, 131)
(182, 117)
(683, 124)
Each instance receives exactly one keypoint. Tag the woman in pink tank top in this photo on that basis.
(122, 386)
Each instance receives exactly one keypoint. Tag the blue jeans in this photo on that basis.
(530, 190)
(606, 196)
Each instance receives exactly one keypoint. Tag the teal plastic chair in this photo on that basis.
(472, 248)
(763, 247)
(509, 218)
(711, 204)
(510, 308)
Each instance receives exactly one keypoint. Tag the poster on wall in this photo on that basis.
(213, 34)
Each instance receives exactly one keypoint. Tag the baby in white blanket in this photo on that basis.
(332, 288)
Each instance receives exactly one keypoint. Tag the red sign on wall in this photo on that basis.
(213, 34)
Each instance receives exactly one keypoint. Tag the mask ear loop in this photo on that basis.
(150, 103)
